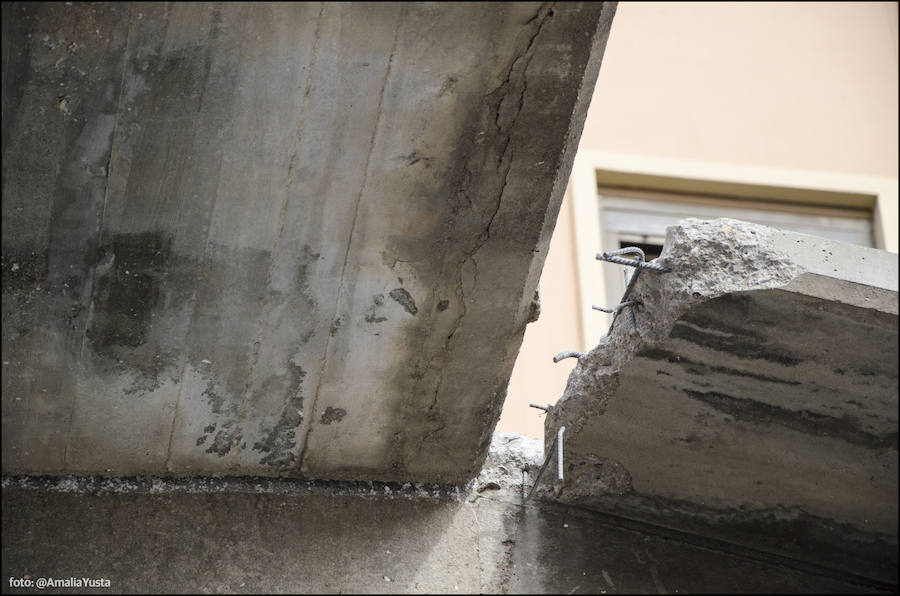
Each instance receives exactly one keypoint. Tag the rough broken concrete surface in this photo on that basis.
(278, 239)
(757, 394)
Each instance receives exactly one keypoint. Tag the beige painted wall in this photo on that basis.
(788, 86)
(803, 85)
(535, 378)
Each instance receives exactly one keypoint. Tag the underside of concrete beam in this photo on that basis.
(752, 397)
(285, 535)
(296, 239)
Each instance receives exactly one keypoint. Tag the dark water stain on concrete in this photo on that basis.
(224, 440)
(304, 265)
(281, 438)
(404, 299)
(332, 415)
(137, 281)
(335, 325)
(700, 368)
(372, 315)
(128, 290)
(804, 421)
(228, 435)
(738, 342)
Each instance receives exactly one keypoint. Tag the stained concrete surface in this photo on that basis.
(287, 239)
(755, 401)
(266, 535)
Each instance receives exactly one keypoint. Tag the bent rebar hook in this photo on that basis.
(564, 355)
(639, 264)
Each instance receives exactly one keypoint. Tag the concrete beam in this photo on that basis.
(756, 397)
(265, 535)
(278, 239)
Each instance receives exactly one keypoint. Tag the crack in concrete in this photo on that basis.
(504, 128)
(525, 55)
(93, 283)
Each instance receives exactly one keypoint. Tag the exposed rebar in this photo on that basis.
(640, 264)
(559, 452)
(613, 256)
(616, 308)
(564, 355)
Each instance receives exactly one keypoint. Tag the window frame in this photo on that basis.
(781, 187)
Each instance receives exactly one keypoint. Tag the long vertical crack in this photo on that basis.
(515, 82)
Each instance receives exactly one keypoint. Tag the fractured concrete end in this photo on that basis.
(761, 377)
(510, 455)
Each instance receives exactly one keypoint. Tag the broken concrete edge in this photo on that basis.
(510, 454)
(709, 259)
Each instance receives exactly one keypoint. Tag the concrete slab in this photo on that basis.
(264, 535)
(278, 239)
(755, 400)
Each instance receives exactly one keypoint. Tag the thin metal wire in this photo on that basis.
(537, 479)
(564, 355)
(631, 282)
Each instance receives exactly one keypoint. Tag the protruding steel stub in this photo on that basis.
(616, 308)
(564, 355)
(559, 452)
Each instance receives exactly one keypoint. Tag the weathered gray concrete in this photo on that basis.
(283, 535)
(755, 401)
(278, 239)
